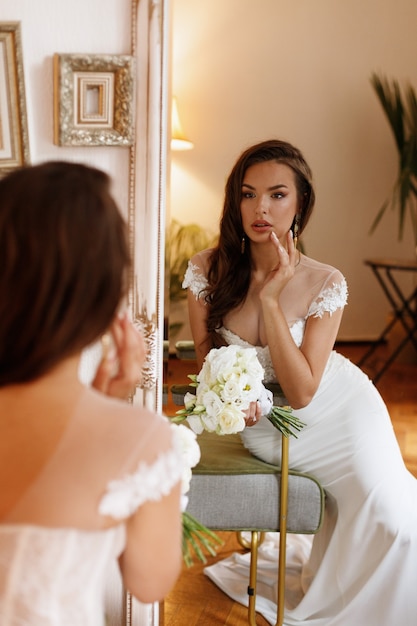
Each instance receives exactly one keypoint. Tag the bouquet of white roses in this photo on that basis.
(230, 379)
(195, 536)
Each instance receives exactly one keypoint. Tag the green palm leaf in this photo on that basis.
(401, 113)
(391, 101)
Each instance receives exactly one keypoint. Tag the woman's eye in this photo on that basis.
(247, 194)
(278, 194)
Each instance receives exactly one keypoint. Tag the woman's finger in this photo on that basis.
(292, 250)
(103, 375)
(253, 414)
(131, 349)
(120, 369)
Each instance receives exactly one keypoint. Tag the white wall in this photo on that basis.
(247, 70)
(79, 26)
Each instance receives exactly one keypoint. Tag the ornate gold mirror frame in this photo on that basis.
(149, 159)
(148, 164)
(148, 182)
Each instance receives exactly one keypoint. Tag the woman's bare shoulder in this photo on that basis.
(318, 268)
(128, 429)
(202, 259)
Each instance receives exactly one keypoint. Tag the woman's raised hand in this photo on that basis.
(120, 368)
(287, 260)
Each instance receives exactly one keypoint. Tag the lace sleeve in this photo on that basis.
(195, 280)
(150, 482)
(329, 299)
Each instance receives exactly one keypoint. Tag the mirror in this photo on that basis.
(244, 71)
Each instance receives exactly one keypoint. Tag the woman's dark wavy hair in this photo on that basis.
(229, 273)
(64, 260)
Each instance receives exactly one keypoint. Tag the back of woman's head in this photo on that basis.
(63, 265)
(270, 150)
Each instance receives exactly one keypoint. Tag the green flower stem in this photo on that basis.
(284, 420)
(181, 417)
(197, 537)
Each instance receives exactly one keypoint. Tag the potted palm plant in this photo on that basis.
(400, 109)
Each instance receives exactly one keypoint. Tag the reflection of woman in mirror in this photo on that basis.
(85, 479)
(257, 289)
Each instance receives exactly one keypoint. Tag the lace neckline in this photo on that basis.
(226, 332)
(296, 330)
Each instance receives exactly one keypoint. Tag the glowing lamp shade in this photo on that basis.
(178, 139)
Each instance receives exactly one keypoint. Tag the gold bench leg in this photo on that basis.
(247, 544)
(257, 538)
(282, 530)
(252, 577)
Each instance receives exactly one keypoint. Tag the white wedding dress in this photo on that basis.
(361, 567)
(56, 576)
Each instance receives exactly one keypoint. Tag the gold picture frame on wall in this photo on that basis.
(94, 100)
(14, 140)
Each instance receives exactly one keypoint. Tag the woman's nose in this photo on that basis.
(262, 206)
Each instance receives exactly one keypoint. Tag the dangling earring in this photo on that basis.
(242, 245)
(296, 228)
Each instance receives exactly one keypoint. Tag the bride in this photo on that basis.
(86, 480)
(257, 289)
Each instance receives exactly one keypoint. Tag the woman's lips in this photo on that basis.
(261, 226)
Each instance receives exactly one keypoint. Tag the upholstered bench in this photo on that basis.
(232, 490)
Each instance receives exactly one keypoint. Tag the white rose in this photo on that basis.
(232, 390)
(202, 389)
(186, 480)
(204, 377)
(222, 362)
(190, 450)
(250, 363)
(231, 420)
(195, 424)
(251, 392)
(189, 400)
(210, 422)
(242, 390)
(212, 403)
(244, 356)
(266, 400)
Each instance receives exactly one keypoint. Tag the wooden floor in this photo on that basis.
(195, 600)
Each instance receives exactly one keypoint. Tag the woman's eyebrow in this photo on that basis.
(273, 188)
(280, 186)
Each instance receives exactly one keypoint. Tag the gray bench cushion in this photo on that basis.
(233, 490)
